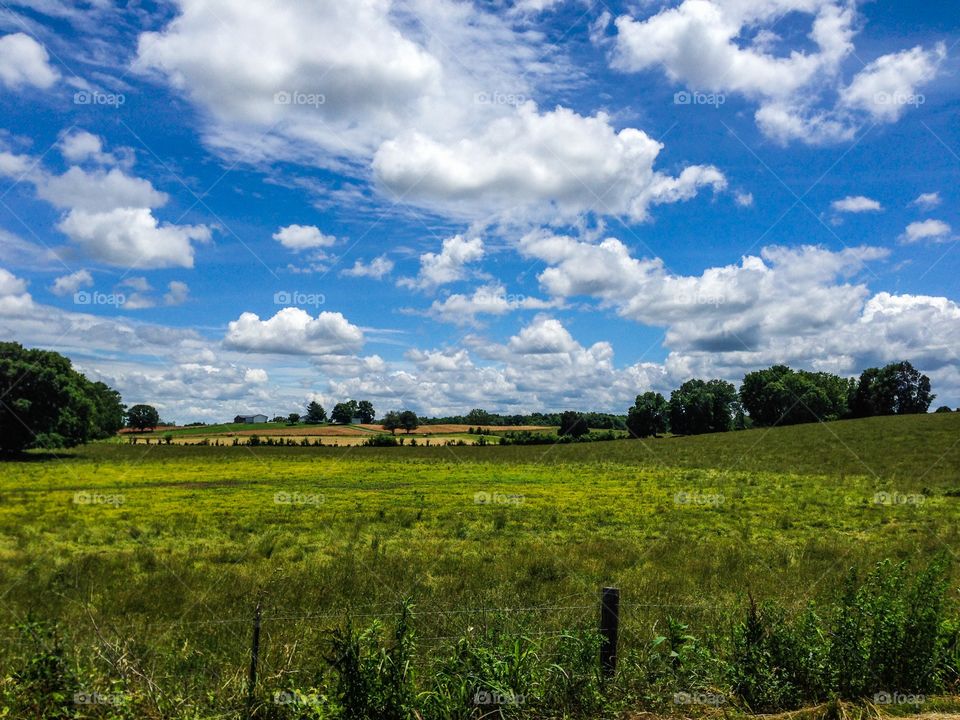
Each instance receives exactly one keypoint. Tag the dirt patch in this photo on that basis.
(450, 428)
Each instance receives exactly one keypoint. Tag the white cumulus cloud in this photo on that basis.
(293, 331)
(24, 61)
(935, 230)
(303, 237)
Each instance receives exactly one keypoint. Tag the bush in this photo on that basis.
(44, 684)
(888, 634)
(381, 441)
(374, 680)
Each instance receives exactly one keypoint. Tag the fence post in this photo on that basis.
(609, 629)
(254, 655)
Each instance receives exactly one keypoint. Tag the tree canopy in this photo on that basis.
(141, 417)
(649, 415)
(44, 402)
(365, 412)
(780, 395)
(315, 413)
(700, 406)
(573, 424)
(344, 412)
(409, 420)
(895, 389)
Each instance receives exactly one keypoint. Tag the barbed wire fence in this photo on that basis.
(268, 649)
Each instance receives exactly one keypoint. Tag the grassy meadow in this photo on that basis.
(150, 559)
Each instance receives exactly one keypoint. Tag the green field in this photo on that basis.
(150, 559)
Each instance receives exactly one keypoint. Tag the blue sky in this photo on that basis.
(220, 207)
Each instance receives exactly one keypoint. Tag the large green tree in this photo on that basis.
(366, 412)
(44, 402)
(478, 416)
(895, 389)
(391, 422)
(409, 420)
(649, 415)
(780, 395)
(702, 406)
(315, 413)
(344, 412)
(141, 417)
(573, 424)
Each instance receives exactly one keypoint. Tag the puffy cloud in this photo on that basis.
(447, 266)
(699, 43)
(69, 284)
(312, 69)
(24, 61)
(935, 230)
(377, 268)
(109, 215)
(99, 190)
(743, 199)
(303, 237)
(785, 292)
(257, 376)
(14, 298)
(414, 93)
(132, 237)
(293, 331)
(489, 299)
(888, 85)
(12, 165)
(548, 166)
(177, 293)
(544, 336)
(80, 145)
(186, 376)
(856, 204)
(927, 201)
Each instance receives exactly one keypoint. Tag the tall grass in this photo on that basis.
(890, 637)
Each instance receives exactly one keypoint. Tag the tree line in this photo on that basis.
(780, 395)
(479, 417)
(46, 403)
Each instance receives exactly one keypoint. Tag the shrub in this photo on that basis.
(374, 679)
(382, 440)
(44, 684)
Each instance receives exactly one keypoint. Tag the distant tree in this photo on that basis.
(409, 420)
(344, 412)
(365, 412)
(895, 389)
(315, 413)
(141, 417)
(649, 415)
(279, 419)
(603, 421)
(700, 406)
(943, 409)
(780, 395)
(573, 424)
(391, 421)
(238, 419)
(478, 416)
(293, 418)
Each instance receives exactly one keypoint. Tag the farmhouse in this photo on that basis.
(250, 418)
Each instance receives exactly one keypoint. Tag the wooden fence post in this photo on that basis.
(609, 629)
(254, 656)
